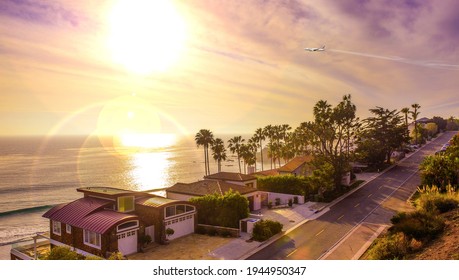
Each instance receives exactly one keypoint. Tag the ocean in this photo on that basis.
(39, 172)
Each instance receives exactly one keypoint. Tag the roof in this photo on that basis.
(271, 172)
(295, 163)
(105, 190)
(205, 187)
(155, 201)
(87, 213)
(230, 176)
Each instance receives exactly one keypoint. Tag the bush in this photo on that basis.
(270, 204)
(295, 199)
(201, 230)
(222, 210)
(264, 229)
(63, 253)
(290, 202)
(289, 184)
(420, 225)
(116, 256)
(277, 201)
(225, 233)
(392, 247)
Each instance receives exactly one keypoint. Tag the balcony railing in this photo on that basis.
(34, 248)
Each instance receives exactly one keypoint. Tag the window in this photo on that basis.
(57, 227)
(91, 239)
(178, 209)
(128, 225)
(125, 203)
(68, 229)
(170, 211)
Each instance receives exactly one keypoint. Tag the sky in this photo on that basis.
(132, 67)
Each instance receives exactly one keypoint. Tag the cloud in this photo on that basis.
(39, 12)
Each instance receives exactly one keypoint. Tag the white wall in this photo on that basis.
(284, 197)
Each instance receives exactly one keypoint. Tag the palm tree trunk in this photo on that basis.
(205, 161)
(261, 152)
(239, 162)
(208, 162)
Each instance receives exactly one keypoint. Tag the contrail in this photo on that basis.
(433, 64)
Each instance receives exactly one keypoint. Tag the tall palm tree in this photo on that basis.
(406, 111)
(414, 115)
(260, 136)
(252, 144)
(234, 145)
(218, 152)
(268, 131)
(205, 138)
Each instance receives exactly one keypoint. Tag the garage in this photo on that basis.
(182, 226)
(127, 242)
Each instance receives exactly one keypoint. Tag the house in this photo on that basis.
(298, 166)
(107, 219)
(234, 178)
(182, 191)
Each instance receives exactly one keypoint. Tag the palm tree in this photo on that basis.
(205, 138)
(234, 145)
(218, 152)
(248, 155)
(253, 147)
(405, 111)
(260, 136)
(414, 115)
(268, 131)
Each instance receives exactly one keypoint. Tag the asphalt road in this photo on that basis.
(315, 238)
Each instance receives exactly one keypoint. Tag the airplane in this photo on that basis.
(321, 49)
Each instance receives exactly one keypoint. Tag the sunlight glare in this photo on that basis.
(146, 36)
(157, 140)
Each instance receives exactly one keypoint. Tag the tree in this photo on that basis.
(382, 134)
(439, 171)
(330, 131)
(218, 152)
(414, 115)
(205, 138)
(234, 145)
(431, 129)
(269, 133)
(405, 111)
(441, 122)
(260, 136)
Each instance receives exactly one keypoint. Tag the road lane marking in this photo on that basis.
(291, 253)
(340, 217)
(317, 234)
(370, 194)
(357, 205)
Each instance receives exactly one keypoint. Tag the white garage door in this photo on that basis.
(182, 226)
(127, 242)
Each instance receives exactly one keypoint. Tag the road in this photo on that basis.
(317, 238)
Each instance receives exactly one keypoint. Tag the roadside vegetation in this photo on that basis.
(435, 198)
(265, 229)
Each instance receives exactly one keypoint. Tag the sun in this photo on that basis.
(146, 35)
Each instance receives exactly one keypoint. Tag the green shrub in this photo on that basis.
(222, 210)
(288, 184)
(225, 233)
(420, 225)
(264, 229)
(116, 256)
(63, 253)
(290, 202)
(277, 201)
(295, 199)
(392, 247)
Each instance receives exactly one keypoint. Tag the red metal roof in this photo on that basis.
(87, 213)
